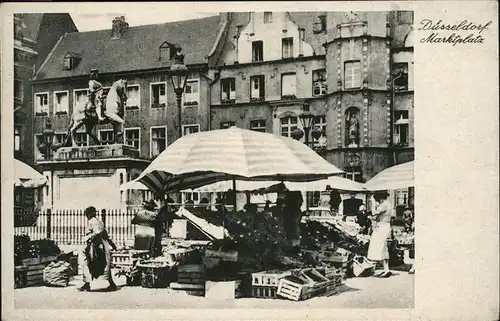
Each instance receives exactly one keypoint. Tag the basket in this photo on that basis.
(362, 267)
(154, 274)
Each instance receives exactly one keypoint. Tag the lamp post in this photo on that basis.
(306, 119)
(178, 75)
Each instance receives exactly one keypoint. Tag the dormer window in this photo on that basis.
(71, 59)
(166, 51)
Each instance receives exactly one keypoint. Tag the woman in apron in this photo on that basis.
(377, 250)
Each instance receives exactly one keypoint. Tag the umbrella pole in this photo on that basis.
(234, 198)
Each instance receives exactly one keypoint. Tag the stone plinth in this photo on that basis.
(96, 152)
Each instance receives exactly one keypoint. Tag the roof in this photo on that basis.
(302, 19)
(32, 22)
(136, 49)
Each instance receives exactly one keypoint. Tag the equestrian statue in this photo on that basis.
(100, 109)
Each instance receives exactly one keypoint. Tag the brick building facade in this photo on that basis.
(34, 37)
(255, 70)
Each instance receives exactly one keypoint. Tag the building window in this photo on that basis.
(18, 90)
(320, 122)
(287, 47)
(401, 128)
(80, 98)
(82, 139)
(17, 139)
(257, 51)
(400, 76)
(320, 26)
(258, 125)
(288, 86)
(158, 95)
(190, 129)
(59, 138)
(193, 197)
(352, 75)
(226, 124)
(268, 17)
(354, 174)
(192, 92)
(257, 88)
(228, 90)
(61, 102)
(287, 125)
(401, 197)
(42, 104)
(133, 97)
(133, 137)
(405, 17)
(158, 140)
(319, 82)
(107, 136)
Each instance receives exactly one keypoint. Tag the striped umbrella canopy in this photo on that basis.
(26, 176)
(233, 154)
(335, 182)
(398, 176)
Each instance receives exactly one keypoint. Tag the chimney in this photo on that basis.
(118, 28)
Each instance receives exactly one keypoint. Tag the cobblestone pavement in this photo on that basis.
(394, 292)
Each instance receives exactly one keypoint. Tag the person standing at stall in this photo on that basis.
(378, 250)
(149, 229)
(408, 218)
(96, 257)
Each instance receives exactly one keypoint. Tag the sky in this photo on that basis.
(100, 21)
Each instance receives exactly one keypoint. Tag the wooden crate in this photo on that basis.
(191, 289)
(264, 292)
(32, 270)
(222, 290)
(268, 278)
(227, 256)
(290, 289)
(191, 274)
(20, 279)
(126, 258)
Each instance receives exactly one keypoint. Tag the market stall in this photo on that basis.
(28, 184)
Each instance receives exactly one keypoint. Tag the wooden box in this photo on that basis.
(222, 290)
(20, 279)
(32, 270)
(264, 292)
(268, 278)
(227, 256)
(191, 274)
(192, 289)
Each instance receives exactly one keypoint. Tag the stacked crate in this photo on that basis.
(265, 283)
(190, 278)
(125, 261)
(31, 272)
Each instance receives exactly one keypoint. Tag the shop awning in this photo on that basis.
(395, 177)
(26, 176)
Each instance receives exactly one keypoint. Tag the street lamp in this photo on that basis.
(178, 75)
(306, 119)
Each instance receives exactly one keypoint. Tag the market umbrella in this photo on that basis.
(399, 176)
(133, 185)
(233, 154)
(26, 176)
(335, 182)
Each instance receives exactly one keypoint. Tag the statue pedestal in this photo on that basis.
(92, 175)
(95, 152)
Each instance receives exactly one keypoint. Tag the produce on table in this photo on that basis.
(24, 248)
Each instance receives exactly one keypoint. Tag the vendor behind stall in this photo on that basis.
(351, 205)
(292, 216)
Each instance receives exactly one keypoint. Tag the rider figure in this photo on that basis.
(95, 93)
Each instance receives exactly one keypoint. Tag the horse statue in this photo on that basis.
(113, 105)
